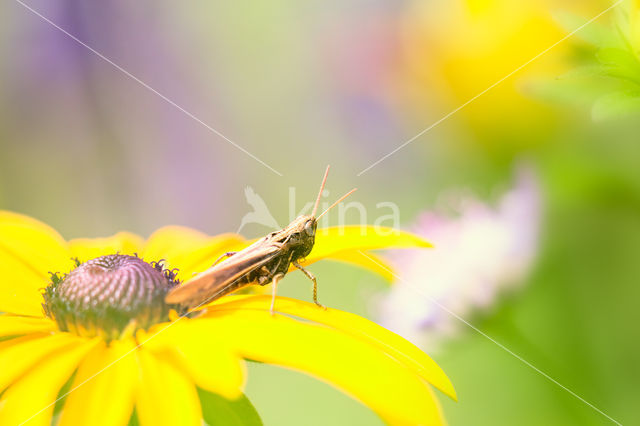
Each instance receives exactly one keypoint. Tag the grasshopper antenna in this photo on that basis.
(324, 180)
(337, 202)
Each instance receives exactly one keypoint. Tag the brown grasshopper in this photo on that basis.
(263, 262)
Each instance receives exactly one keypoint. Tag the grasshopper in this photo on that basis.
(263, 262)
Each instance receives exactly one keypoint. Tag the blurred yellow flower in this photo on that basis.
(455, 50)
(634, 19)
(110, 342)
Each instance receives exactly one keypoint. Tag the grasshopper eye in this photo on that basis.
(308, 228)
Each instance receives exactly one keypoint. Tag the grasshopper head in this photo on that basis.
(310, 225)
(301, 234)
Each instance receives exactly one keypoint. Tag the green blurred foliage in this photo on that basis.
(218, 411)
(607, 70)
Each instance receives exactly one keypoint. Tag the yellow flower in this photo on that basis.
(455, 50)
(114, 349)
(634, 24)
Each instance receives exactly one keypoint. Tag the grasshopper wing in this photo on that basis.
(222, 278)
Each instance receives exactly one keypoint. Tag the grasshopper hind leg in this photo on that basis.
(315, 284)
(227, 254)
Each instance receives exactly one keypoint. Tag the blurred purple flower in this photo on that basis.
(66, 103)
(478, 253)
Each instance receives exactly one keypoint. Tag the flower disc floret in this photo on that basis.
(109, 295)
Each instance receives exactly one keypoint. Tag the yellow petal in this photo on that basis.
(103, 388)
(359, 369)
(337, 239)
(14, 325)
(368, 260)
(29, 250)
(166, 396)
(209, 361)
(22, 353)
(358, 327)
(90, 248)
(186, 249)
(31, 400)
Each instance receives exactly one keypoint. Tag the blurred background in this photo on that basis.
(531, 192)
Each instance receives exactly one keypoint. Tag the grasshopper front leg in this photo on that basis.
(315, 284)
(274, 289)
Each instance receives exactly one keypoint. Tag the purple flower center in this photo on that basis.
(110, 295)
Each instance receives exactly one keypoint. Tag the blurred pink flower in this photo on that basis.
(478, 253)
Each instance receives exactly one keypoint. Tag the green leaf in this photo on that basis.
(616, 105)
(593, 33)
(620, 63)
(62, 395)
(219, 411)
(133, 420)
(574, 88)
